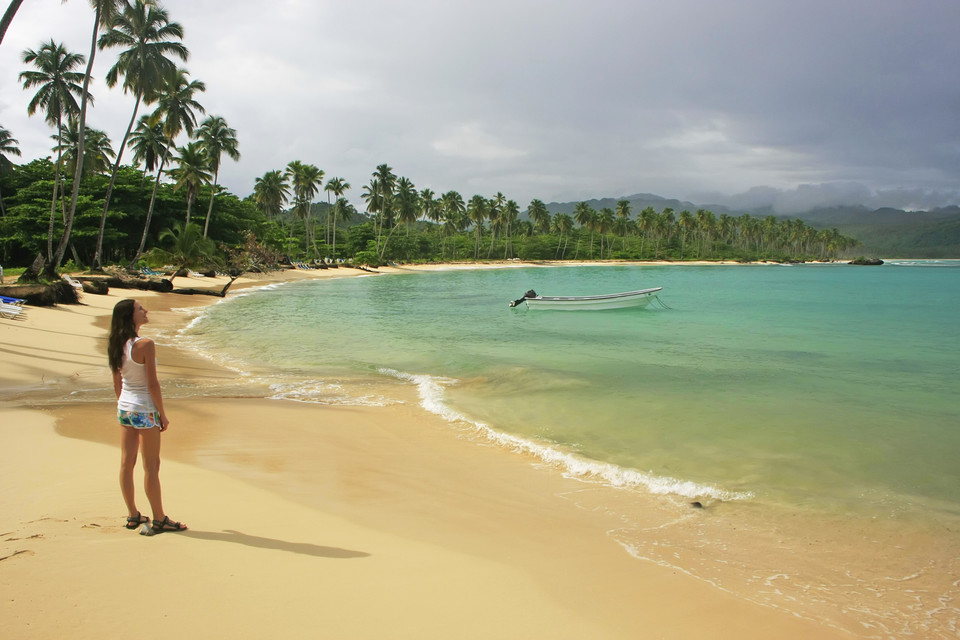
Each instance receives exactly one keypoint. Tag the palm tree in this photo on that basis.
(408, 209)
(645, 224)
(604, 225)
(343, 211)
(192, 172)
(306, 180)
(189, 247)
(216, 138)
(477, 212)
(585, 216)
(562, 224)
(429, 206)
(495, 213)
(58, 85)
(148, 143)
(8, 146)
(105, 13)
(623, 214)
(539, 215)
(337, 187)
(510, 215)
(271, 192)
(175, 110)
(386, 183)
(371, 195)
(99, 152)
(685, 223)
(662, 227)
(454, 210)
(145, 31)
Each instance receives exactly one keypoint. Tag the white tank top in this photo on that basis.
(134, 393)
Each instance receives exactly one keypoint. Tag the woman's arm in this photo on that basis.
(147, 350)
(117, 383)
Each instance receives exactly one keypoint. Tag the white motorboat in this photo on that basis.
(640, 298)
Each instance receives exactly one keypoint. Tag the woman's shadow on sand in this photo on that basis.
(304, 548)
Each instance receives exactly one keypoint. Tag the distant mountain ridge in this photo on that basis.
(883, 232)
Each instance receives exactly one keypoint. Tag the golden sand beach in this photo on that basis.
(306, 521)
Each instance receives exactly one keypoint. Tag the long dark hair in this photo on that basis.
(121, 330)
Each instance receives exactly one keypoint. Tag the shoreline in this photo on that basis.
(480, 519)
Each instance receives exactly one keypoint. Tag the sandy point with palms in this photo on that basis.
(306, 520)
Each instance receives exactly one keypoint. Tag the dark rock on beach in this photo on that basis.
(867, 261)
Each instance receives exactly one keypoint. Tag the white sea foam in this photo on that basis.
(323, 392)
(431, 391)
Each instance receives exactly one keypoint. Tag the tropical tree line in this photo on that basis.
(149, 46)
(83, 201)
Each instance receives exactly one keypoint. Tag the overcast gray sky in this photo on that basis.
(745, 102)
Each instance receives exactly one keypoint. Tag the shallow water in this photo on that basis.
(823, 384)
(797, 403)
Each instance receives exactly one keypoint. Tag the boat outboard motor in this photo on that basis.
(529, 294)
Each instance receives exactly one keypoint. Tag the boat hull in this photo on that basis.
(623, 300)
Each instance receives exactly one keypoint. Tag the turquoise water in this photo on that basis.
(825, 386)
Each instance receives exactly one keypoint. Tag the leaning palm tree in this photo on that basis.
(147, 37)
(105, 12)
(188, 248)
(8, 16)
(8, 146)
(217, 139)
(191, 173)
(58, 86)
(175, 110)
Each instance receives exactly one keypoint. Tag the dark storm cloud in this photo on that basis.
(567, 100)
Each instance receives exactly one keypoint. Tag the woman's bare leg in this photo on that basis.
(129, 444)
(150, 448)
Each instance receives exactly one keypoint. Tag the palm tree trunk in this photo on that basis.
(334, 238)
(213, 194)
(8, 17)
(53, 211)
(78, 173)
(153, 199)
(113, 179)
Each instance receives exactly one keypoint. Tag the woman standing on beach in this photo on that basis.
(133, 361)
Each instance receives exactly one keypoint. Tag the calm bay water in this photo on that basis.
(812, 409)
(831, 386)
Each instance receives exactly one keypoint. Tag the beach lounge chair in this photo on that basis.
(10, 307)
(73, 283)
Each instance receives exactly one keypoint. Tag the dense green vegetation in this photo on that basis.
(84, 204)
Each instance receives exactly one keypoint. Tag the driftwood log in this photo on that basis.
(42, 295)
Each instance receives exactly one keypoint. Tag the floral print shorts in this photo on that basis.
(139, 419)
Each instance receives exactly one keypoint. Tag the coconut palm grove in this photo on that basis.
(153, 198)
